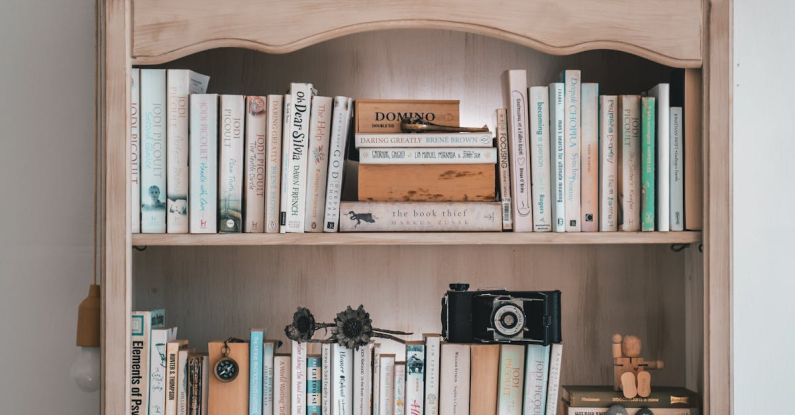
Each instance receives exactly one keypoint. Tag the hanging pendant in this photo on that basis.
(226, 369)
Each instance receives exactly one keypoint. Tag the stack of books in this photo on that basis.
(595, 400)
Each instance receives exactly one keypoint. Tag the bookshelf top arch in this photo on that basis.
(667, 32)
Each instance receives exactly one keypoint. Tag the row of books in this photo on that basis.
(430, 377)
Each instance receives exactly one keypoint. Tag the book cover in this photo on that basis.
(426, 183)
(319, 136)
(325, 381)
(268, 352)
(228, 398)
(629, 163)
(340, 124)
(181, 83)
(341, 380)
(605, 396)
(298, 378)
(504, 162)
(273, 165)
(281, 385)
(515, 87)
(376, 378)
(386, 381)
(384, 115)
(230, 164)
(400, 389)
(427, 155)
(454, 381)
(203, 163)
(553, 382)
(433, 344)
(647, 161)
(693, 149)
(662, 139)
(414, 140)
(182, 382)
(141, 325)
(135, 150)
(677, 171)
(509, 398)
(157, 368)
(630, 411)
(485, 363)
(205, 389)
(255, 166)
(256, 356)
(539, 158)
(573, 132)
(415, 378)
(362, 379)
(153, 151)
(608, 163)
(285, 176)
(195, 377)
(557, 136)
(589, 183)
(301, 95)
(172, 375)
(536, 369)
(420, 217)
(313, 384)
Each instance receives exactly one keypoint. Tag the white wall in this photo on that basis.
(764, 201)
(46, 153)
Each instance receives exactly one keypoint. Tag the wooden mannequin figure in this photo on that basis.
(630, 370)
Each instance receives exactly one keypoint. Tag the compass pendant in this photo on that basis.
(226, 369)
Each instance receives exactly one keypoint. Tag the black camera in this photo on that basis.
(500, 316)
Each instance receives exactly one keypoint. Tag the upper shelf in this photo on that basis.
(668, 32)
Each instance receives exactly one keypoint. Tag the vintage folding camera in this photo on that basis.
(500, 316)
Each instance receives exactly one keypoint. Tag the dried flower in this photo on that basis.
(303, 326)
(353, 328)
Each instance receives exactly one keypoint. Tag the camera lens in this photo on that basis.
(508, 320)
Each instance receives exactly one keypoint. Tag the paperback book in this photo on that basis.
(135, 150)
(428, 155)
(515, 82)
(274, 162)
(385, 115)
(557, 136)
(230, 175)
(504, 167)
(662, 124)
(319, 130)
(255, 166)
(376, 140)
(647, 160)
(608, 166)
(629, 162)
(153, 151)
(572, 200)
(677, 171)
(539, 161)
(204, 163)
(301, 95)
(590, 157)
(340, 124)
(420, 217)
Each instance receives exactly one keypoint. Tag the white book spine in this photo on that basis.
(677, 171)
(255, 166)
(608, 164)
(287, 121)
(539, 160)
(454, 385)
(572, 109)
(181, 83)
(365, 140)
(557, 128)
(661, 93)
(432, 367)
(535, 384)
(428, 155)
(340, 125)
(362, 379)
(297, 163)
(230, 165)
(273, 178)
(325, 382)
(182, 386)
(204, 163)
(589, 183)
(341, 380)
(505, 168)
(376, 379)
(629, 177)
(386, 399)
(553, 383)
(400, 389)
(420, 217)
(298, 378)
(135, 150)
(415, 379)
(281, 385)
(153, 151)
(319, 129)
(516, 95)
(157, 369)
(632, 411)
(268, 351)
(509, 398)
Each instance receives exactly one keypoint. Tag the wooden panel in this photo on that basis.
(431, 182)
(212, 293)
(668, 32)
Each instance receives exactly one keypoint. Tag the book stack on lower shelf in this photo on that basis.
(596, 400)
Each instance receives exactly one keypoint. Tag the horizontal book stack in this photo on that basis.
(595, 400)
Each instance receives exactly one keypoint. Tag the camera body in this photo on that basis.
(500, 316)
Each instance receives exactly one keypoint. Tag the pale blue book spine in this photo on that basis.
(536, 374)
(153, 151)
(255, 373)
(313, 385)
(267, 378)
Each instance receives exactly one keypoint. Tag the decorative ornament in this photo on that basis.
(351, 328)
(226, 369)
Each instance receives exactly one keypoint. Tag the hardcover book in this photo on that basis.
(505, 168)
(509, 400)
(362, 379)
(605, 396)
(341, 380)
(135, 150)
(273, 166)
(515, 86)
(454, 383)
(203, 163)
(298, 378)
(485, 364)
(557, 137)
(400, 389)
(677, 171)
(228, 398)
(536, 369)
(181, 83)
(319, 129)
(590, 157)
(384, 115)
(141, 324)
(415, 378)
(281, 385)
(553, 382)
(182, 382)
(196, 403)
(571, 114)
(630, 411)
(157, 368)
(340, 124)
(608, 163)
(301, 95)
(411, 140)
(325, 381)
(313, 384)
(230, 166)
(428, 156)
(539, 158)
(420, 217)
(426, 183)
(432, 367)
(268, 352)
(173, 349)
(153, 151)
(256, 343)
(647, 160)
(255, 166)
(662, 194)
(285, 180)
(629, 163)
(386, 373)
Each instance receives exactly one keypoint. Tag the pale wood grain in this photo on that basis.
(667, 32)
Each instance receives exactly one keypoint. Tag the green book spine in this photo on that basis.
(647, 164)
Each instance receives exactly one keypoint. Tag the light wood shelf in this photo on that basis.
(430, 238)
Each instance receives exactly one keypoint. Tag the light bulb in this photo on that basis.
(85, 369)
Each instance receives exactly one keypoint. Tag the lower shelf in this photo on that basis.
(441, 238)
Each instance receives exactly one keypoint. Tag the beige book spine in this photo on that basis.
(590, 157)
(693, 152)
(273, 165)
(317, 165)
(573, 173)
(515, 91)
(629, 177)
(485, 361)
(455, 383)
(608, 164)
(254, 178)
(539, 160)
(384, 116)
